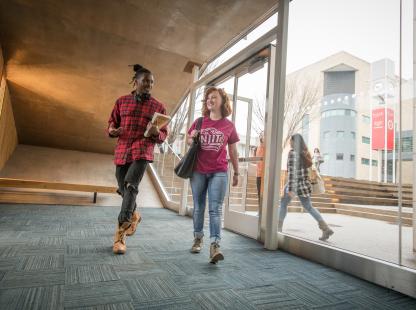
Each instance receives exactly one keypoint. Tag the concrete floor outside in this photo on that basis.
(374, 238)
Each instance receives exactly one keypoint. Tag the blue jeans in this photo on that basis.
(215, 184)
(305, 201)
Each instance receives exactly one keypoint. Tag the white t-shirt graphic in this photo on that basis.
(212, 139)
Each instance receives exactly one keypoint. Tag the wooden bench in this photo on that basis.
(32, 184)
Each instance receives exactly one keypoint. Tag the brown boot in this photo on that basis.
(196, 247)
(326, 231)
(215, 253)
(135, 220)
(119, 246)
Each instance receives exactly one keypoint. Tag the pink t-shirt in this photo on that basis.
(215, 135)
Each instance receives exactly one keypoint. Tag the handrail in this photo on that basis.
(170, 147)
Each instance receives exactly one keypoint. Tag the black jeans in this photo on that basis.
(129, 177)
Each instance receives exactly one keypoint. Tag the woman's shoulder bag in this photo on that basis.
(185, 167)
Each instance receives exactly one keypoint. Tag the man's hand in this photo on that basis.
(115, 132)
(152, 130)
(291, 194)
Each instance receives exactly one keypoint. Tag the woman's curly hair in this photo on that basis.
(226, 109)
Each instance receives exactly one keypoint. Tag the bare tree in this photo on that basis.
(178, 121)
(300, 97)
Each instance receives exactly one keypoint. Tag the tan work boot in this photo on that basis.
(135, 220)
(215, 253)
(119, 246)
(196, 247)
(326, 231)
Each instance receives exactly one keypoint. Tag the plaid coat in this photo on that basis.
(133, 117)
(298, 177)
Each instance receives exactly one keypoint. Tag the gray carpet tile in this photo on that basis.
(172, 303)
(118, 306)
(39, 298)
(9, 263)
(98, 293)
(270, 297)
(223, 299)
(201, 283)
(90, 273)
(16, 279)
(41, 262)
(55, 257)
(138, 271)
(153, 288)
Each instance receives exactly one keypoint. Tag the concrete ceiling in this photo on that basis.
(66, 61)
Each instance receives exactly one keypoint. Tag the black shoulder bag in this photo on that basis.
(185, 167)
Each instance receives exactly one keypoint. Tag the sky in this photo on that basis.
(368, 29)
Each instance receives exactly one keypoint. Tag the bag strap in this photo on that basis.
(199, 124)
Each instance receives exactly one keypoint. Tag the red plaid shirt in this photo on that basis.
(133, 117)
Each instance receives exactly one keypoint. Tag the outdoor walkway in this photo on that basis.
(374, 238)
(55, 257)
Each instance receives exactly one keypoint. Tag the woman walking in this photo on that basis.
(317, 159)
(210, 173)
(299, 183)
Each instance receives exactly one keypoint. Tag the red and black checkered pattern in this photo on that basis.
(133, 117)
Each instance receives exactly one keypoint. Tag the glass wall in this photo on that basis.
(346, 95)
(167, 155)
(407, 134)
(342, 95)
(251, 37)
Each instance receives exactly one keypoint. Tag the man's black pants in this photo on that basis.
(129, 177)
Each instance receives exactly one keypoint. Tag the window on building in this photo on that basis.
(327, 134)
(326, 157)
(339, 82)
(365, 140)
(366, 119)
(340, 156)
(338, 112)
(340, 134)
(407, 144)
(374, 163)
(353, 135)
(352, 157)
(365, 161)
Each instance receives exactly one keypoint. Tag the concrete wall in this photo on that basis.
(67, 62)
(333, 144)
(49, 164)
(8, 134)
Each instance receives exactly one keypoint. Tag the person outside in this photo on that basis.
(128, 122)
(211, 169)
(259, 152)
(299, 160)
(317, 159)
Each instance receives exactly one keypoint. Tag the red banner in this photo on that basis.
(378, 128)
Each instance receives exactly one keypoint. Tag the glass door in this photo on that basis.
(241, 212)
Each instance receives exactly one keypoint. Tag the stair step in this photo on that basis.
(375, 216)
